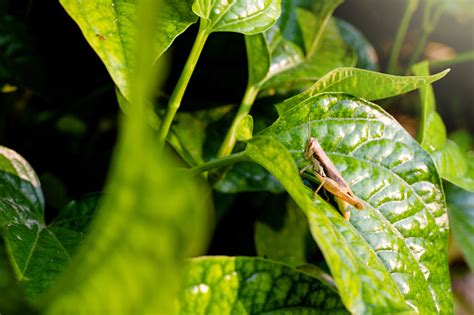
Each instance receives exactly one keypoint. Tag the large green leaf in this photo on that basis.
(110, 28)
(405, 221)
(242, 16)
(151, 217)
(364, 284)
(34, 250)
(369, 85)
(247, 285)
(461, 218)
(449, 158)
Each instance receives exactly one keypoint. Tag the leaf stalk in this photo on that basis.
(180, 88)
(244, 109)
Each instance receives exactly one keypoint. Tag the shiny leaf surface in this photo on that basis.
(242, 16)
(405, 221)
(247, 285)
(38, 253)
(110, 28)
(365, 286)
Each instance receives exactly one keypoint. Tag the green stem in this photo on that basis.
(180, 88)
(315, 44)
(244, 109)
(462, 57)
(401, 34)
(431, 16)
(224, 161)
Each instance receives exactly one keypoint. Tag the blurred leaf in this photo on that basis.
(245, 129)
(242, 16)
(461, 218)
(432, 133)
(364, 284)
(151, 217)
(405, 220)
(462, 9)
(248, 285)
(362, 83)
(450, 160)
(366, 55)
(110, 28)
(19, 62)
(287, 242)
(71, 125)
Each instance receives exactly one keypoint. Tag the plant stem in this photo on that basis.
(180, 88)
(401, 34)
(244, 109)
(433, 12)
(462, 57)
(224, 161)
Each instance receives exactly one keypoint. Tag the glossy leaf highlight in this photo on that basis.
(405, 221)
(248, 285)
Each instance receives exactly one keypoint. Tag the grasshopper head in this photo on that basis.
(309, 150)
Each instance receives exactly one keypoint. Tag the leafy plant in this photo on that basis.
(137, 248)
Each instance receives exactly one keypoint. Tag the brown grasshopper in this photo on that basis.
(330, 178)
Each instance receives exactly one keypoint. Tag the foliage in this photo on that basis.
(139, 247)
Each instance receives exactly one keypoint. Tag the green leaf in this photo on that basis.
(461, 218)
(72, 222)
(450, 160)
(110, 28)
(455, 166)
(365, 286)
(248, 17)
(405, 220)
(247, 177)
(366, 54)
(301, 47)
(151, 217)
(285, 242)
(369, 85)
(245, 129)
(31, 245)
(191, 131)
(247, 285)
(12, 299)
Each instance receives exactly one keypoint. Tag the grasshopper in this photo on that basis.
(329, 177)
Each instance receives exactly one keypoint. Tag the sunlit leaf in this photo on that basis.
(405, 220)
(248, 285)
(369, 85)
(110, 28)
(242, 16)
(365, 286)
